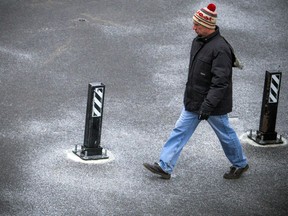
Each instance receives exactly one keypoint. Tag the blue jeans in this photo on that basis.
(185, 127)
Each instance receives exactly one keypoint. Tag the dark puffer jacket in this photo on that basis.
(209, 85)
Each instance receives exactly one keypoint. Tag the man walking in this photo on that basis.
(208, 96)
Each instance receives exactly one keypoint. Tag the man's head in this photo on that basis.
(204, 20)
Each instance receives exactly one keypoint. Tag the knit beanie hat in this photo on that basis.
(206, 16)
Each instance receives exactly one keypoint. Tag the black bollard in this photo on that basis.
(91, 149)
(266, 133)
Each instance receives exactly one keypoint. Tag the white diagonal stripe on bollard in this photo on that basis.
(97, 102)
(274, 88)
(96, 112)
(272, 99)
(99, 92)
(276, 78)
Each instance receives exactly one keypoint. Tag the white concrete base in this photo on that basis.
(75, 158)
(244, 139)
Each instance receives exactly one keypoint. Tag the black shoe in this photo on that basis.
(235, 172)
(155, 168)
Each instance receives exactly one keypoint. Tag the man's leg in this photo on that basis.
(184, 128)
(230, 144)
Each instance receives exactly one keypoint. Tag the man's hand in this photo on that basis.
(203, 115)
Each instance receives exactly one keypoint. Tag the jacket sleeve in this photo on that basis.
(221, 79)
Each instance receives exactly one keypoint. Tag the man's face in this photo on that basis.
(200, 30)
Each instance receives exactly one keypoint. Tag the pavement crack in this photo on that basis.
(99, 20)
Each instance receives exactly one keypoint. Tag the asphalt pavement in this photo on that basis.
(50, 51)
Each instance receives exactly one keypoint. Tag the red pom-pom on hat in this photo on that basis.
(211, 7)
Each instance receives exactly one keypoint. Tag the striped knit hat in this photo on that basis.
(206, 16)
